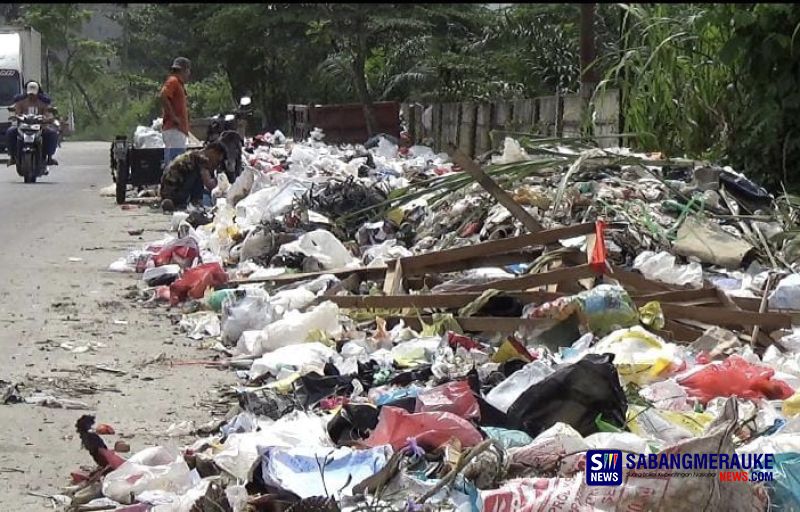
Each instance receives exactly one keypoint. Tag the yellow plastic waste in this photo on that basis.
(396, 216)
(284, 386)
(507, 352)
(666, 425)
(791, 406)
(639, 356)
(651, 315)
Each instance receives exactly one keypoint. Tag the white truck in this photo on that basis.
(20, 61)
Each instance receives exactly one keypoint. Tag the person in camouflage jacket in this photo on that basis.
(187, 175)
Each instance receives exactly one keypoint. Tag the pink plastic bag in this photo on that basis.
(430, 429)
(735, 377)
(181, 252)
(454, 397)
(195, 281)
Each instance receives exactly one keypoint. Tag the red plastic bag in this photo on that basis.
(430, 429)
(195, 281)
(459, 340)
(598, 259)
(454, 397)
(735, 377)
(181, 252)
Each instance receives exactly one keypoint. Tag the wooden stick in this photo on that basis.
(762, 308)
(494, 190)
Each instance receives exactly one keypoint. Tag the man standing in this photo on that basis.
(175, 129)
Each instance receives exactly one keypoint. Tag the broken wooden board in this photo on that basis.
(726, 317)
(442, 301)
(377, 272)
(494, 190)
(477, 323)
(536, 280)
(412, 265)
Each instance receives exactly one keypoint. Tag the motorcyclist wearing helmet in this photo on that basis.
(32, 103)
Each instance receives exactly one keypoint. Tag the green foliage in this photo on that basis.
(763, 49)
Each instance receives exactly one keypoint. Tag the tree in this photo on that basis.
(77, 60)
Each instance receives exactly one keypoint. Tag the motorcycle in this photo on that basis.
(218, 129)
(31, 156)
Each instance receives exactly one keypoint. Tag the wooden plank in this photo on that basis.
(444, 301)
(478, 324)
(393, 282)
(364, 272)
(535, 280)
(483, 125)
(632, 280)
(500, 195)
(413, 264)
(498, 260)
(676, 331)
(704, 294)
(726, 317)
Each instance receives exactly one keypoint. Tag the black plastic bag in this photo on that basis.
(353, 423)
(574, 395)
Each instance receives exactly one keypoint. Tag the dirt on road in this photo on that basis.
(58, 238)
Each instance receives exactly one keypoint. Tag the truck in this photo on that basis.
(21, 60)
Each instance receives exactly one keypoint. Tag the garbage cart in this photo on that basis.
(140, 167)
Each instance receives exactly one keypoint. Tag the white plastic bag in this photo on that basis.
(787, 294)
(303, 358)
(240, 188)
(250, 313)
(662, 267)
(294, 328)
(324, 247)
(506, 393)
(155, 468)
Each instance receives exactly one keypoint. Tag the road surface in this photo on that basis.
(58, 237)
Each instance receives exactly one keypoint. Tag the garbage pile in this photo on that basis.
(404, 342)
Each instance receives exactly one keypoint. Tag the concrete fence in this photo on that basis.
(468, 125)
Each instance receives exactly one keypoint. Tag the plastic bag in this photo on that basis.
(303, 358)
(324, 247)
(735, 376)
(182, 251)
(546, 452)
(786, 294)
(667, 426)
(502, 396)
(155, 468)
(663, 267)
(241, 451)
(162, 275)
(639, 356)
(508, 438)
(297, 469)
(294, 328)
(250, 313)
(195, 281)
(607, 307)
(601, 310)
(454, 397)
(574, 394)
(431, 430)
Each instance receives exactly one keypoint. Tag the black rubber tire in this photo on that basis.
(123, 172)
(26, 165)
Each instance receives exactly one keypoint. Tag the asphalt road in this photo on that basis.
(58, 237)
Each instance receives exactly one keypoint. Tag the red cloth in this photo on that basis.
(176, 95)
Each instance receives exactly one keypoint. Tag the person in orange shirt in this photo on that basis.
(175, 129)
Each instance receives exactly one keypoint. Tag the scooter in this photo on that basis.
(31, 157)
(228, 122)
